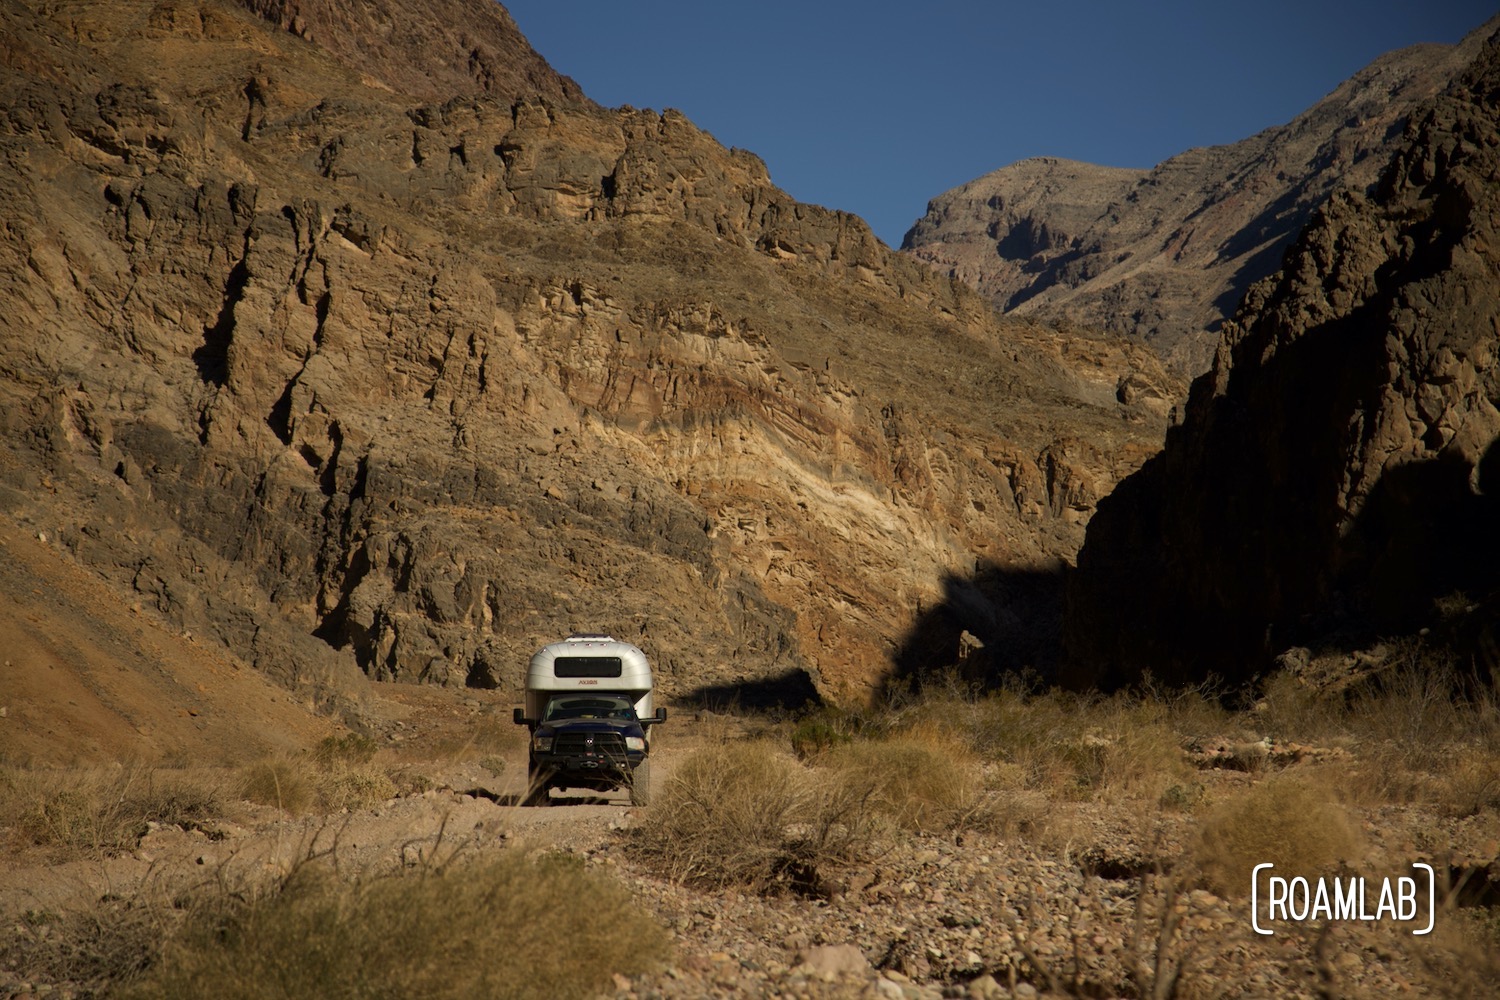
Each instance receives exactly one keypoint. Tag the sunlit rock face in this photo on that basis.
(353, 353)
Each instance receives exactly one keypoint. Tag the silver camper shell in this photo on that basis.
(566, 666)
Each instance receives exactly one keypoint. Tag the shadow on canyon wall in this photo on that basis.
(1422, 559)
(1226, 547)
(789, 691)
(1427, 539)
(1423, 556)
(992, 624)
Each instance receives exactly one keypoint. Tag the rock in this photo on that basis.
(1296, 660)
(985, 987)
(830, 961)
(391, 303)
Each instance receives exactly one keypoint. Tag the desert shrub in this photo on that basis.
(350, 748)
(1416, 700)
(921, 784)
(1003, 776)
(347, 778)
(1466, 785)
(100, 810)
(1127, 760)
(73, 810)
(1291, 709)
(1196, 711)
(1413, 703)
(90, 949)
(409, 781)
(176, 800)
(508, 927)
(1286, 821)
(1080, 747)
(355, 788)
(1455, 780)
(1419, 733)
(1018, 813)
(284, 782)
(330, 779)
(750, 814)
(1184, 797)
(1019, 730)
(1143, 752)
(821, 731)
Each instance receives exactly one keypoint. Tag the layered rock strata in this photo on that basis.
(347, 378)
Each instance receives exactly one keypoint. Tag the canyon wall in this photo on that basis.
(1335, 475)
(354, 374)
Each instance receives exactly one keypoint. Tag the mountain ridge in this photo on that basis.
(474, 47)
(1163, 255)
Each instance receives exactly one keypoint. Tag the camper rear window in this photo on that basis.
(586, 666)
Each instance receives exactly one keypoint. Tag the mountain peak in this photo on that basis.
(1164, 255)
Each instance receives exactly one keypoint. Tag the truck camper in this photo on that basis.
(588, 707)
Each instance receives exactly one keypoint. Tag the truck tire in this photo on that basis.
(538, 786)
(640, 784)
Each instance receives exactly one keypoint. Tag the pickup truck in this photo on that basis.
(588, 706)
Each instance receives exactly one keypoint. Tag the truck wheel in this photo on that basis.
(640, 784)
(538, 787)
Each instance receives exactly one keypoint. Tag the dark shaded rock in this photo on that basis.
(1335, 473)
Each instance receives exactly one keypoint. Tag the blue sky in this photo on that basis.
(874, 107)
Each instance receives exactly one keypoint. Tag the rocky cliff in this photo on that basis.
(430, 51)
(1165, 255)
(350, 367)
(1335, 476)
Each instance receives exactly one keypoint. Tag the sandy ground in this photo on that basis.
(86, 677)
